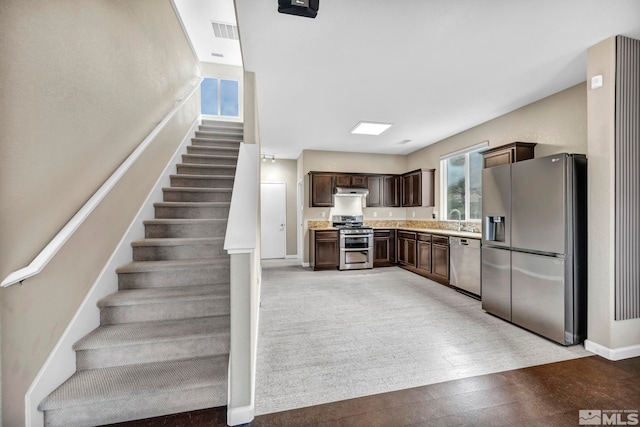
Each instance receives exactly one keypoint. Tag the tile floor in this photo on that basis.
(329, 336)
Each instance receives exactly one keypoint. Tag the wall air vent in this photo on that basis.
(225, 31)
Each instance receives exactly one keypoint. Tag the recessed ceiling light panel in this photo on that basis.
(370, 128)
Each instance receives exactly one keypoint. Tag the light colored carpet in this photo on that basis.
(329, 336)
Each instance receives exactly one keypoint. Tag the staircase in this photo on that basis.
(162, 346)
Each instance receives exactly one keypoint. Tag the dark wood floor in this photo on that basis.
(546, 395)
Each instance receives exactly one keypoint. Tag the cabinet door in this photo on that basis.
(359, 181)
(327, 252)
(321, 190)
(498, 158)
(401, 250)
(440, 261)
(407, 191)
(382, 251)
(424, 256)
(375, 196)
(411, 252)
(392, 191)
(416, 189)
(343, 181)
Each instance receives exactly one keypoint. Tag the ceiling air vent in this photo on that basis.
(225, 31)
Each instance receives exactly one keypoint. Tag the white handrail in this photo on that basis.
(49, 251)
(242, 227)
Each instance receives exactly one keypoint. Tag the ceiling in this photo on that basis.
(433, 68)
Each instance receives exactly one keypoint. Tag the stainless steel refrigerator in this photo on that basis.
(534, 245)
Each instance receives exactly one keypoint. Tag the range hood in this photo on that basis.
(350, 191)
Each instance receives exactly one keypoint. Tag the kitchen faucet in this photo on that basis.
(459, 218)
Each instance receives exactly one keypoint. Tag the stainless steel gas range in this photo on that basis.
(356, 242)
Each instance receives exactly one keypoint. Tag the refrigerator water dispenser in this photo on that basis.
(494, 228)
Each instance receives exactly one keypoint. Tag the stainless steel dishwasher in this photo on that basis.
(465, 265)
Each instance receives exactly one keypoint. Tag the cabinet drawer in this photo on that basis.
(382, 233)
(424, 237)
(406, 235)
(440, 240)
(326, 234)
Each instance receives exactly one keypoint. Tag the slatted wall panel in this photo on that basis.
(627, 159)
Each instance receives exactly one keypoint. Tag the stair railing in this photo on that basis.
(51, 249)
(242, 244)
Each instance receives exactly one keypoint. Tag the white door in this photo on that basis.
(273, 220)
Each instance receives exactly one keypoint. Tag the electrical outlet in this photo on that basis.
(375, 214)
(413, 214)
(323, 214)
(390, 213)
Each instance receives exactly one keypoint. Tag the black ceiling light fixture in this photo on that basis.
(308, 8)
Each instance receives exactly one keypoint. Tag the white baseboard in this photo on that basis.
(305, 264)
(612, 353)
(61, 363)
(291, 256)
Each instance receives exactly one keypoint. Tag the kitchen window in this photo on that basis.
(461, 184)
(220, 97)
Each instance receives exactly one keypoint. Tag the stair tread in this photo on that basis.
(126, 334)
(199, 189)
(146, 266)
(195, 176)
(216, 148)
(206, 165)
(212, 156)
(176, 241)
(159, 295)
(192, 204)
(183, 221)
(117, 383)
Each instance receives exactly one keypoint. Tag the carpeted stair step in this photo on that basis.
(205, 159)
(148, 305)
(213, 151)
(167, 274)
(192, 210)
(199, 169)
(182, 228)
(203, 181)
(210, 122)
(123, 393)
(146, 342)
(217, 143)
(221, 128)
(178, 248)
(219, 135)
(195, 194)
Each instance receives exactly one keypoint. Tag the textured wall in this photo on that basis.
(557, 123)
(83, 84)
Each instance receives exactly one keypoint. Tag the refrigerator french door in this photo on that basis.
(545, 235)
(496, 242)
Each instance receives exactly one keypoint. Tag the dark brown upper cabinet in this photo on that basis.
(392, 191)
(321, 189)
(418, 188)
(375, 184)
(358, 181)
(505, 154)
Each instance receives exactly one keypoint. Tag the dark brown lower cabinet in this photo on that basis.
(384, 248)
(440, 258)
(324, 249)
(406, 248)
(424, 256)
